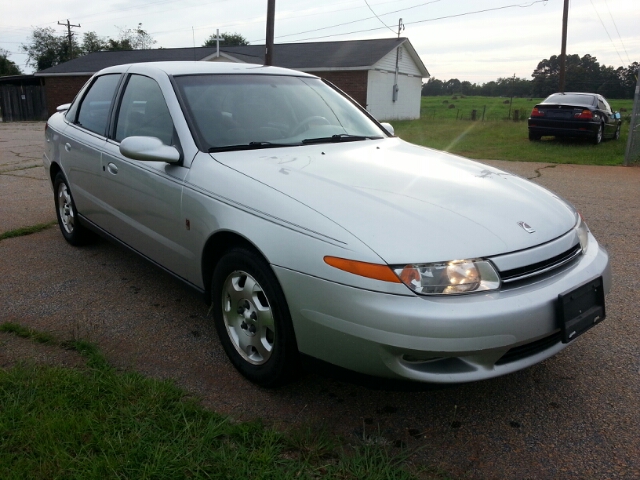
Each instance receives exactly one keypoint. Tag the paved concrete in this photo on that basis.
(26, 196)
(576, 415)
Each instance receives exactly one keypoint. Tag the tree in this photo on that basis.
(433, 87)
(140, 39)
(131, 39)
(452, 86)
(91, 42)
(7, 67)
(46, 49)
(228, 40)
(113, 45)
(629, 78)
(584, 74)
(467, 88)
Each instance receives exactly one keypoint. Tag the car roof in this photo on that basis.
(195, 68)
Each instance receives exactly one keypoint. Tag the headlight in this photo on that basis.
(583, 233)
(446, 278)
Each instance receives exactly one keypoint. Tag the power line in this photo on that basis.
(355, 21)
(369, 6)
(619, 36)
(427, 20)
(284, 18)
(607, 31)
(479, 11)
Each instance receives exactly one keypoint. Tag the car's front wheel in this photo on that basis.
(616, 135)
(598, 138)
(71, 229)
(252, 319)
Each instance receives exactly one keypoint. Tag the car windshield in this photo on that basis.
(236, 112)
(571, 99)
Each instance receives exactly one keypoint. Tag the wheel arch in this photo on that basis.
(215, 247)
(54, 169)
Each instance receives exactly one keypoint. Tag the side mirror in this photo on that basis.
(63, 107)
(388, 128)
(616, 115)
(148, 149)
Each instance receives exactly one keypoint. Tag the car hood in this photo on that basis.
(409, 203)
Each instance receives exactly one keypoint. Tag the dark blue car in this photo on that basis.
(574, 115)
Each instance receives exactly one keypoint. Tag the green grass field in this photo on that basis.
(498, 138)
(99, 423)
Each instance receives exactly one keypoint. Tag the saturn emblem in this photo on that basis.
(526, 227)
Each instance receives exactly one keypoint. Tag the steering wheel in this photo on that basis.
(303, 126)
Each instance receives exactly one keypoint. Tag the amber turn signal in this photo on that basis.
(364, 269)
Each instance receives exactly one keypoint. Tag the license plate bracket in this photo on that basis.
(581, 309)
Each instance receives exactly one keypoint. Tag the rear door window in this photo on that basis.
(96, 104)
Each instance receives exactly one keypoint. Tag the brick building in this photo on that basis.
(383, 75)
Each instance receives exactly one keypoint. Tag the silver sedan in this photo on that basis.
(315, 232)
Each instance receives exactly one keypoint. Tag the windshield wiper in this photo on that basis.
(251, 146)
(341, 137)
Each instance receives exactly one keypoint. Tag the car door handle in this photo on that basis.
(67, 147)
(112, 168)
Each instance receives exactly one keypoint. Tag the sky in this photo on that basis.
(472, 40)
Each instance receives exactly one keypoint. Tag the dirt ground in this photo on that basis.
(576, 415)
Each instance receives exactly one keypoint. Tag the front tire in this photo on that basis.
(252, 319)
(72, 231)
(616, 136)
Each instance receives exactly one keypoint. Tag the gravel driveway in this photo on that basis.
(576, 415)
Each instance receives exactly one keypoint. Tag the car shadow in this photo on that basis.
(333, 372)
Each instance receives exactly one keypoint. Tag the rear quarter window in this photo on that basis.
(96, 104)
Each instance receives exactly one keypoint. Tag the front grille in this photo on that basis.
(539, 268)
(528, 349)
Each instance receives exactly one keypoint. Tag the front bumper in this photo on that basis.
(439, 340)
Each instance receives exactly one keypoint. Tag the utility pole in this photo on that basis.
(563, 52)
(271, 13)
(70, 36)
(394, 94)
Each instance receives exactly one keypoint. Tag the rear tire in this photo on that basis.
(252, 319)
(72, 231)
(597, 140)
(534, 137)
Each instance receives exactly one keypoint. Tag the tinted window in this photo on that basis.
(571, 99)
(144, 111)
(94, 110)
